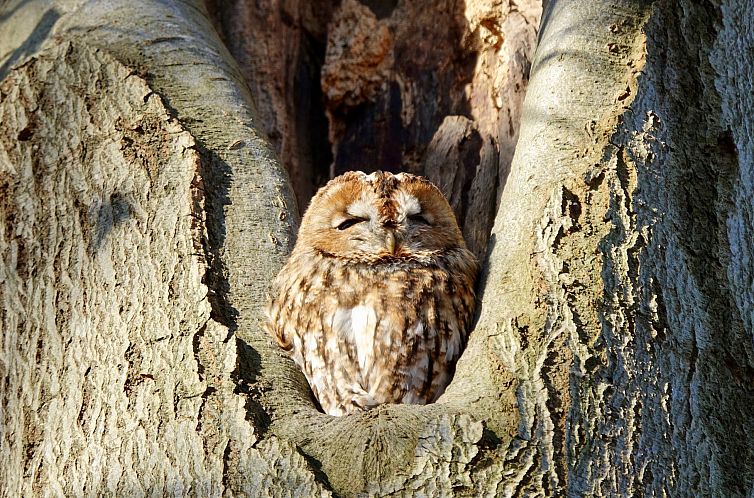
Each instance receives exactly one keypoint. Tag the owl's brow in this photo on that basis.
(385, 184)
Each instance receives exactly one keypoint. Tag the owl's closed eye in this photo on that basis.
(375, 302)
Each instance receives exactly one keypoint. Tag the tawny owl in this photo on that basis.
(375, 302)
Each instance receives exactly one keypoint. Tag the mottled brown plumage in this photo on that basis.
(376, 299)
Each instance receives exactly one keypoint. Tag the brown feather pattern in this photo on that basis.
(376, 300)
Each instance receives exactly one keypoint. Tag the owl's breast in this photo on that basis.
(375, 333)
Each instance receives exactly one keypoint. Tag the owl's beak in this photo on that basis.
(390, 242)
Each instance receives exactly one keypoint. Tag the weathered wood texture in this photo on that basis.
(280, 47)
(440, 99)
(142, 217)
(95, 317)
(118, 377)
(618, 256)
(401, 90)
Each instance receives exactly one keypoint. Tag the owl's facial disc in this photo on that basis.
(386, 226)
(380, 217)
(365, 230)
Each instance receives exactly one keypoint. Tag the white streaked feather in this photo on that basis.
(311, 352)
(357, 326)
(407, 203)
(362, 208)
(364, 324)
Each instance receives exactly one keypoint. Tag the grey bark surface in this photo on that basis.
(119, 365)
(279, 46)
(142, 216)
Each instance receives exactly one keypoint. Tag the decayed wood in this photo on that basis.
(465, 167)
(390, 75)
(399, 88)
(280, 47)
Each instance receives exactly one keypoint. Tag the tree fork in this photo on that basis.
(143, 215)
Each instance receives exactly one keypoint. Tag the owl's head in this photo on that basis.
(379, 217)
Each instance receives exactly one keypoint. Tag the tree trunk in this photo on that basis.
(143, 215)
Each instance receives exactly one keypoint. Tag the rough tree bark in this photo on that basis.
(142, 215)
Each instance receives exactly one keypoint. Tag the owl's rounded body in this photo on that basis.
(375, 302)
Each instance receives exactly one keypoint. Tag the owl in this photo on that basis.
(375, 302)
